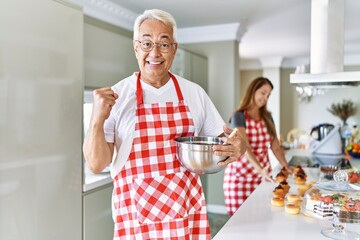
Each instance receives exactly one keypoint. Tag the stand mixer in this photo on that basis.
(328, 140)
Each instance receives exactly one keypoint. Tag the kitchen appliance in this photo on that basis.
(320, 131)
(315, 161)
(328, 141)
(327, 48)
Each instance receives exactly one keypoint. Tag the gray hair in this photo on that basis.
(156, 14)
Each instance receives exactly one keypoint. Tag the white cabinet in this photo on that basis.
(41, 91)
(108, 54)
(97, 218)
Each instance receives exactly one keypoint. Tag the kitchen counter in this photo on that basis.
(258, 219)
(93, 181)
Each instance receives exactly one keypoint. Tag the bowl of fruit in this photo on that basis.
(353, 149)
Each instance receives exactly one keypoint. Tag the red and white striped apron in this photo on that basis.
(154, 196)
(240, 177)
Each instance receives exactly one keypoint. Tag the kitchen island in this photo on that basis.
(257, 219)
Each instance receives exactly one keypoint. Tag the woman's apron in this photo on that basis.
(154, 197)
(240, 177)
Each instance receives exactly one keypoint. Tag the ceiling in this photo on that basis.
(274, 28)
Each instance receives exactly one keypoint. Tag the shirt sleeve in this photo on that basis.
(109, 128)
(238, 120)
(206, 117)
(213, 124)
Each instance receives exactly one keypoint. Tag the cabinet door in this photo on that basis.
(108, 54)
(41, 91)
(98, 223)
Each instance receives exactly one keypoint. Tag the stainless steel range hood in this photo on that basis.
(327, 48)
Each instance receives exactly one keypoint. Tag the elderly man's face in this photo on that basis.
(155, 63)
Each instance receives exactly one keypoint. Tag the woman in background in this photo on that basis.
(256, 125)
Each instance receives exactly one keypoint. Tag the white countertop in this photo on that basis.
(257, 219)
(93, 181)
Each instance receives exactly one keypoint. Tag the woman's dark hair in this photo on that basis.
(249, 98)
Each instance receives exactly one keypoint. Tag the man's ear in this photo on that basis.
(135, 46)
(175, 47)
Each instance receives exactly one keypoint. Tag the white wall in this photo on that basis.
(273, 105)
(315, 111)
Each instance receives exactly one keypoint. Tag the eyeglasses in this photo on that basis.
(147, 46)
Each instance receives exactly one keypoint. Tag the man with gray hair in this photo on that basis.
(154, 197)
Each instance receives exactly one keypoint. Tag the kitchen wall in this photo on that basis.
(246, 76)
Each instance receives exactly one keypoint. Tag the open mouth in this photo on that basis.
(154, 63)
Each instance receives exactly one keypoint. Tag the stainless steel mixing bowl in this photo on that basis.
(196, 155)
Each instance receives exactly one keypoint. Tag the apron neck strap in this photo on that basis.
(247, 116)
(139, 95)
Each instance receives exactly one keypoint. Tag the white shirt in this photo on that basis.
(120, 126)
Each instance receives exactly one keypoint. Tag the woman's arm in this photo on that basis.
(252, 158)
(279, 154)
(249, 153)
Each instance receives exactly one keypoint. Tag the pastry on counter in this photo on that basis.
(323, 210)
(350, 211)
(280, 177)
(279, 191)
(292, 208)
(277, 202)
(293, 198)
(284, 171)
(323, 205)
(298, 170)
(285, 185)
(300, 179)
(299, 175)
